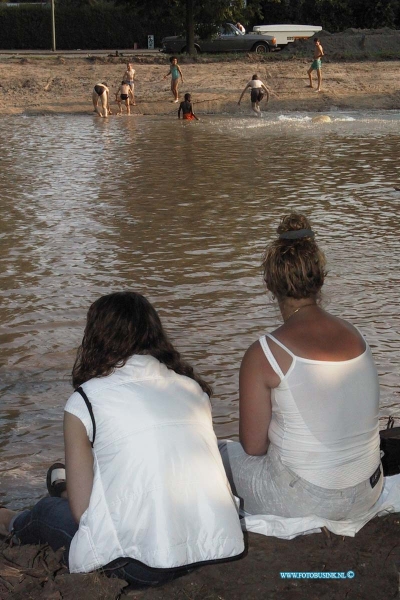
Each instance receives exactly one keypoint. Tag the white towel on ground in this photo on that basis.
(288, 528)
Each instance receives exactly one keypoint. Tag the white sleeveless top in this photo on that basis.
(255, 84)
(325, 418)
(160, 494)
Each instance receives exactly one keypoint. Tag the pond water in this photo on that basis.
(180, 212)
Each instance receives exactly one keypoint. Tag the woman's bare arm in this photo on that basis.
(78, 465)
(256, 379)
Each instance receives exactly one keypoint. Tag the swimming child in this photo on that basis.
(187, 109)
(101, 92)
(129, 78)
(175, 72)
(124, 94)
(258, 91)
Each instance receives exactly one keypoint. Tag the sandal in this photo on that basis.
(55, 480)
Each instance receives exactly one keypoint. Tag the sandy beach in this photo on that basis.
(64, 84)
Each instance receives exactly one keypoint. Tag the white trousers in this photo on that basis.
(267, 487)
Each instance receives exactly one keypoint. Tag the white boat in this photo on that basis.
(285, 34)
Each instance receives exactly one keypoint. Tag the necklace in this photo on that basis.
(297, 310)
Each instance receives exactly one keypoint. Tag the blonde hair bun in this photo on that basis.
(293, 264)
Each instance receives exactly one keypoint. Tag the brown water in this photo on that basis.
(180, 212)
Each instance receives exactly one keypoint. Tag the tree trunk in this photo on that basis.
(189, 27)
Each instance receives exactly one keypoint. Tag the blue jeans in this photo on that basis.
(51, 522)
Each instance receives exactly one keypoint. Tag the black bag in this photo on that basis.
(390, 446)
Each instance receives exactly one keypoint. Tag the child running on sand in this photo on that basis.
(175, 72)
(101, 92)
(124, 94)
(187, 109)
(258, 90)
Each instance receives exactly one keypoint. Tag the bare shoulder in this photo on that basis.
(320, 335)
(256, 366)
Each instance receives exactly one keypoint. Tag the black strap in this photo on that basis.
(90, 409)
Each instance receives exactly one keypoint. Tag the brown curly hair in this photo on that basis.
(118, 326)
(294, 268)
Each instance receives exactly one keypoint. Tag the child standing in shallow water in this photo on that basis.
(176, 73)
(124, 94)
(101, 92)
(187, 109)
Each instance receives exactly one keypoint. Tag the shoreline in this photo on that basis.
(56, 85)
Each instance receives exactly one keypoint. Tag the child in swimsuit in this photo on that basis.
(101, 92)
(175, 72)
(124, 94)
(187, 109)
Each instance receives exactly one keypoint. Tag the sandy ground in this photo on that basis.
(62, 85)
(32, 573)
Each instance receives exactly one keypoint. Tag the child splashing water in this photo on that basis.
(186, 107)
(258, 90)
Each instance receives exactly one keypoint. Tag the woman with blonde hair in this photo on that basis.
(309, 397)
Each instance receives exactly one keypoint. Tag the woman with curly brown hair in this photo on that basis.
(309, 397)
(147, 491)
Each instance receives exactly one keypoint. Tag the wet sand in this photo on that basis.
(373, 555)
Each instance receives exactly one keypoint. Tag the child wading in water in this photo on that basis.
(175, 72)
(101, 92)
(258, 90)
(124, 94)
(187, 109)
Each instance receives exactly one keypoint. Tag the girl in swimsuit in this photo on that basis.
(175, 73)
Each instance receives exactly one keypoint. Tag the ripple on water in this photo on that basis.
(181, 213)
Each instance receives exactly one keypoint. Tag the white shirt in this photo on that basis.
(160, 494)
(255, 83)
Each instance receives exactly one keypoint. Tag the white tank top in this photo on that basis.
(325, 418)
